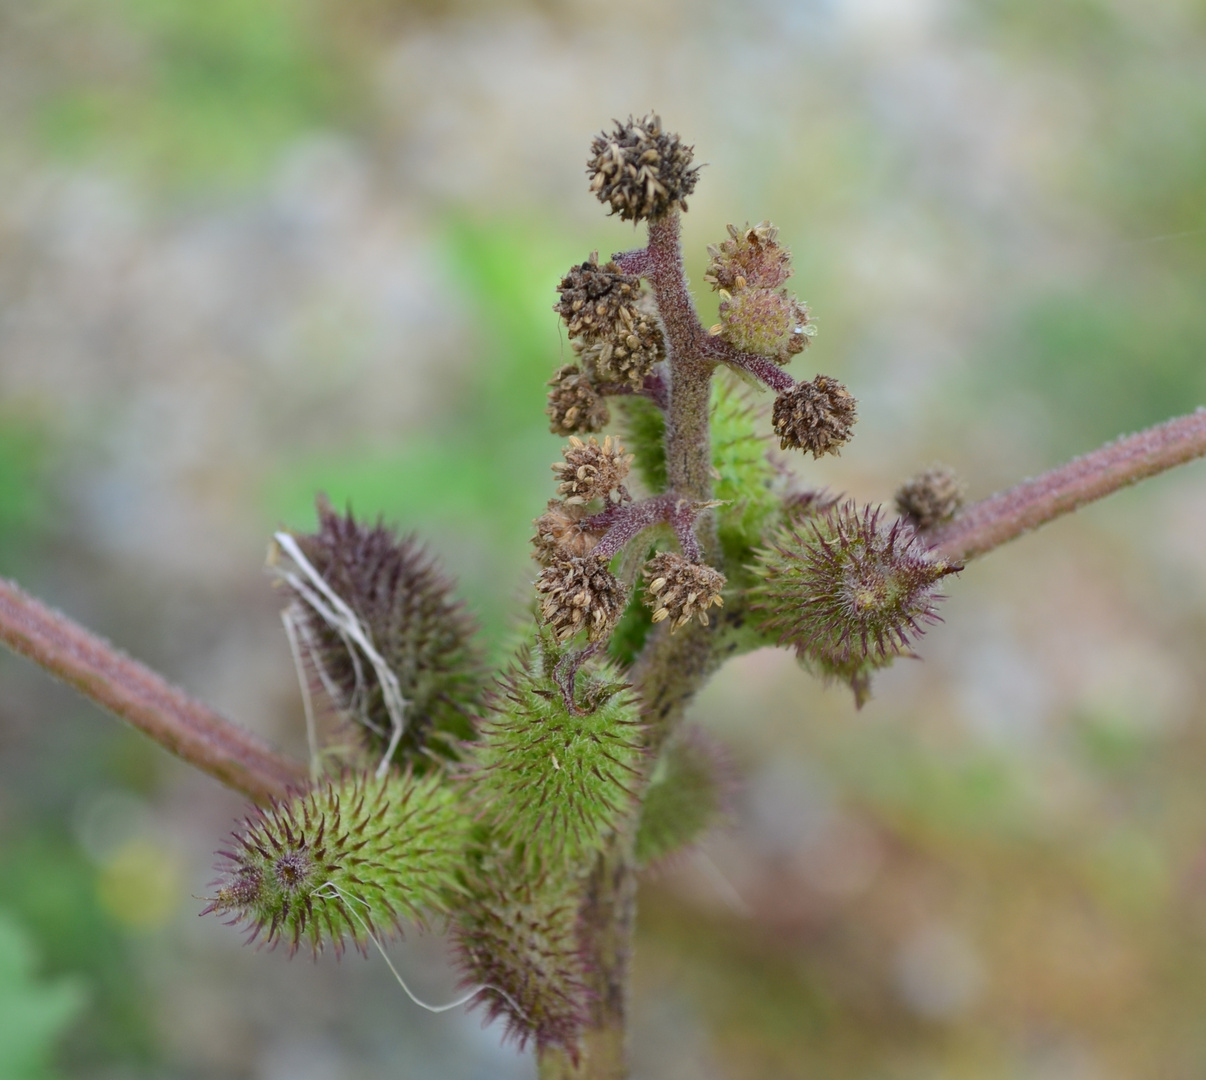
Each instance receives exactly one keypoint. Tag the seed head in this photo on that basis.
(750, 258)
(574, 405)
(591, 470)
(849, 594)
(580, 593)
(931, 498)
(561, 534)
(680, 590)
(641, 171)
(593, 298)
(816, 416)
(423, 633)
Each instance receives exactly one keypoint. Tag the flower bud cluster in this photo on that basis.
(641, 171)
(757, 315)
(848, 593)
(573, 403)
(931, 498)
(577, 590)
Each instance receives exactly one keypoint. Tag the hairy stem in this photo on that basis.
(1008, 514)
(186, 728)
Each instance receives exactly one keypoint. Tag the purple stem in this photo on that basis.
(764, 370)
(654, 389)
(625, 521)
(1001, 517)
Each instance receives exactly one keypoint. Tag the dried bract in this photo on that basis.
(561, 534)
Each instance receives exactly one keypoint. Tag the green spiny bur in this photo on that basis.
(554, 781)
(643, 432)
(687, 794)
(745, 476)
(355, 856)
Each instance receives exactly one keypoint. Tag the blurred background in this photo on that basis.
(255, 249)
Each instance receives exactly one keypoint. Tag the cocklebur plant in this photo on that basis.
(516, 810)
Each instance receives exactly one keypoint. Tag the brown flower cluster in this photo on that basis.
(580, 593)
(641, 171)
(591, 470)
(680, 590)
(573, 403)
(931, 498)
(815, 416)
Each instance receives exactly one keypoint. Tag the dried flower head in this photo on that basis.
(680, 590)
(594, 298)
(574, 405)
(816, 416)
(931, 498)
(357, 856)
(629, 353)
(750, 258)
(560, 533)
(641, 171)
(580, 593)
(422, 632)
(767, 322)
(520, 941)
(591, 470)
(847, 593)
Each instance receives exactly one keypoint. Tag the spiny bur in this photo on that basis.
(519, 939)
(689, 791)
(553, 780)
(849, 593)
(355, 856)
(423, 633)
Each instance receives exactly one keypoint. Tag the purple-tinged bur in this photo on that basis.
(519, 940)
(422, 632)
(849, 593)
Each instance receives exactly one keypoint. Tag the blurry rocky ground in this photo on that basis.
(253, 249)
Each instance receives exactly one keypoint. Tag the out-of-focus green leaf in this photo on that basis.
(32, 1011)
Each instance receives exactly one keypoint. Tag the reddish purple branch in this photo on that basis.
(764, 370)
(625, 521)
(136, 694)
(654, 388)
(1008, 514)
